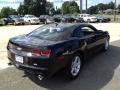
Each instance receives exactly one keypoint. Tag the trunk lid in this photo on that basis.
(32, 42)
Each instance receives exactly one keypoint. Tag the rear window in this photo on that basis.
(50, 33)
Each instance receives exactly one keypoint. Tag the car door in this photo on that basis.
(91, 38)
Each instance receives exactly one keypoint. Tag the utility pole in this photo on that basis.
(86, 6)
(115, 10)
(80, 6)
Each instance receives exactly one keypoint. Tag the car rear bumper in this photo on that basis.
(30, 64)
(30, 69)
(35, 22)
(19, 22)
(93, 20)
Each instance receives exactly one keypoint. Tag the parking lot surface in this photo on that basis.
(102, 72)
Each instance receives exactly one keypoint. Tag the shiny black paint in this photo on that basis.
(67, 48)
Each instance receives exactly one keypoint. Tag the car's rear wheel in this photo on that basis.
(74, 67)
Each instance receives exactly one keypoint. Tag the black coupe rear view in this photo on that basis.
(53, 47)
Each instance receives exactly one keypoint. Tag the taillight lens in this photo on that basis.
(36, 51)
(45, 52)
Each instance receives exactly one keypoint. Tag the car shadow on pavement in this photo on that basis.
(96, 73)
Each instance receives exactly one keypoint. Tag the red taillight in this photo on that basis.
(45, 52)
(42, 52)
(36, 51)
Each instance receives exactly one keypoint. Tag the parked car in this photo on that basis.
(46, 19)
(57, 18)
(88, 18)
(78, 19)
(3, 21)
(67, 18)
(52, 47)
(103, 19)
(31, 19)
(13, 19)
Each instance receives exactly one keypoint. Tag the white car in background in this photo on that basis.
(31, 19)
(88, 18)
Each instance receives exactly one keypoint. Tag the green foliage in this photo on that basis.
(70, 7)
(110, 5)
(65, 7)
(95, 9)
(5, 11)
(50, 8)
(22, 10)
(58, 11)
(36, 7)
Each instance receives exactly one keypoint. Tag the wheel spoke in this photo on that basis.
(75, 66)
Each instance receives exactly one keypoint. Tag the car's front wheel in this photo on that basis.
(74, 67)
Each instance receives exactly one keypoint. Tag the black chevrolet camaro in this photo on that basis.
(53, 47)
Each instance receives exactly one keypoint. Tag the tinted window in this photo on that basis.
(50, 33)
(87, 30)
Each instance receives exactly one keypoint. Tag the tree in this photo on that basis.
(58, 11)
(100, 7)
(110, 5)
(36, 7)
(6, 11)
(49, 8)
(22, 10)
(74, 8)
(70, 7)
(65, 7)
(93, 10)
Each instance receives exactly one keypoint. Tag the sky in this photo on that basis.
(15, 3)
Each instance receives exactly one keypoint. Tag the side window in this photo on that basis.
(77, 33)
(87, 30)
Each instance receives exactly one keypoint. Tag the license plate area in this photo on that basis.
(19, 59)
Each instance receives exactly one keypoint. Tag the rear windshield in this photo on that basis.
(50, 33)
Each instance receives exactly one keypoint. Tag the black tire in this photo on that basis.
(23, 23)
(14, 24)
(69, 72)
(106, 45)
(88, 21)
(45, 22)
(29, 22)
(100, 21)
